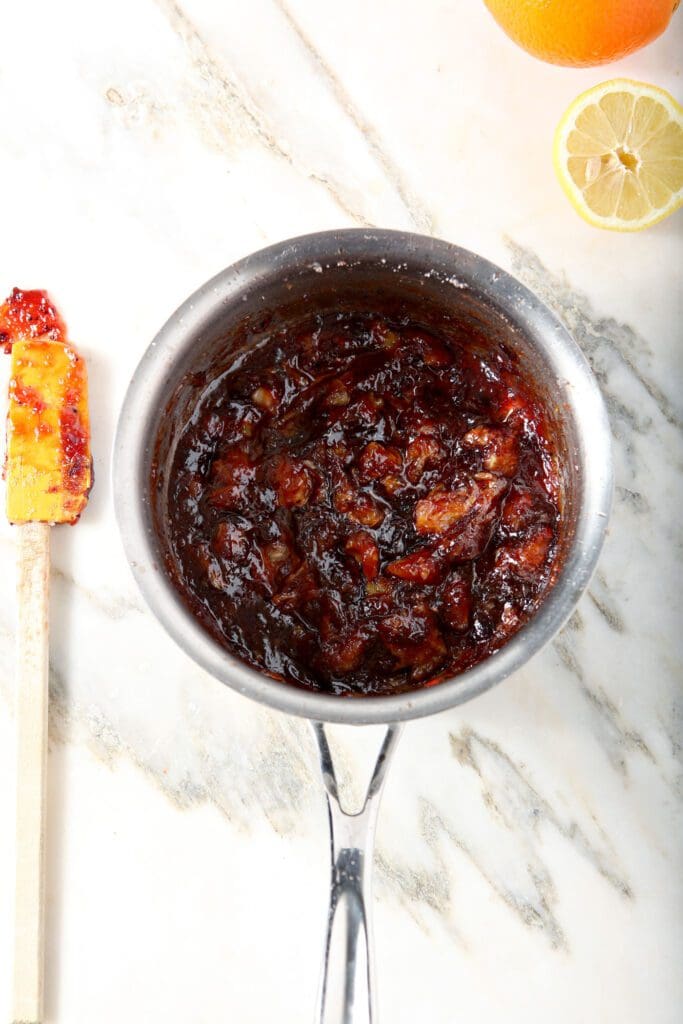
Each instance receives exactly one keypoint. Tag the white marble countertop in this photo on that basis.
(529, 846)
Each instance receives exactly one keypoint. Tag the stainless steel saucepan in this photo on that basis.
(361, 270)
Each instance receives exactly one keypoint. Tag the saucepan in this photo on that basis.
(361, 270)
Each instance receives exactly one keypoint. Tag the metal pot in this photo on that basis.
(362, 270)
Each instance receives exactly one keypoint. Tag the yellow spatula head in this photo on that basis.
(49, 466)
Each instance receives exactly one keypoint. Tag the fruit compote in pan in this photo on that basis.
(362, 476)
(359, 505)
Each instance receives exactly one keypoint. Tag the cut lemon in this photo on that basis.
(619, 154)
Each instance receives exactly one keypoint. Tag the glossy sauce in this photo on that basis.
(362, 507)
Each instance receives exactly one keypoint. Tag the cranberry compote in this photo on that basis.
(363, 506)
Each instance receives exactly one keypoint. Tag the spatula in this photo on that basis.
(49, 475)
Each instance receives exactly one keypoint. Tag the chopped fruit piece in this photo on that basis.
(501, 448)
(420, 567)
(49, 467)
(413, 638)
(442, 509)
(278, 562)
(294, 482)
(346, 654)
(363, 549)
(410, 625)
(231, 542)
(490, 488)
(299, 587)
(468, 540)
(472, 536)
(377, 588)
(233, 467)
(215, 575)
(510, 617)
(518, 511)
(526, 557)
(266, 399)
(337, 394)
(366, 513)
(429, 659)
(276, 553)
(422, 451)
(357, 506)
(456, 603)
(392, 484)
(377, 461)
(232, 474)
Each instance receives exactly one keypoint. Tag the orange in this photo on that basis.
(582, 33)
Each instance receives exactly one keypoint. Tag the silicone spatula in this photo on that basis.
(49, 476)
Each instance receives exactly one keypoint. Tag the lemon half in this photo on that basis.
(618, 153)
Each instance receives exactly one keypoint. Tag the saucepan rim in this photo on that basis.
(524, 309)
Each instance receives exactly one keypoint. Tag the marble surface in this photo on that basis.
(529, 847)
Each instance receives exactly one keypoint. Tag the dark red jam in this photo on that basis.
(29, 314)
(363, 507)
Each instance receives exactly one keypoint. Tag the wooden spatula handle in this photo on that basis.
(31, 721)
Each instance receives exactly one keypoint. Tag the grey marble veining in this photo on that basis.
(529, 847)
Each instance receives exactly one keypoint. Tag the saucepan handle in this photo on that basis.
(346, 989)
